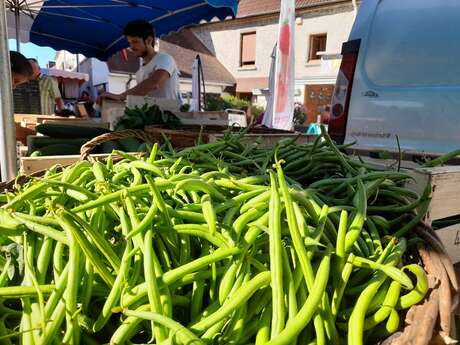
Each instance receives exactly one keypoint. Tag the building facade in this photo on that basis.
(245, 46)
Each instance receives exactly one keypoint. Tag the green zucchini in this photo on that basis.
(57, 150)
(70, 131)
(39, 142)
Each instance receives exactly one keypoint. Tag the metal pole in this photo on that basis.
(8, 163)
(17, 20)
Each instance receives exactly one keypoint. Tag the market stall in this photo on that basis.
(94, 32)
(69, 85)
(191, 230)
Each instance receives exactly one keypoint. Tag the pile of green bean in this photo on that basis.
(223, 243)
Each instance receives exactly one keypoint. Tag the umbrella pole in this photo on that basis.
(17, 20)
(8, 164)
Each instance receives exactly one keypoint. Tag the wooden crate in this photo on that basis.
(268, 140)
(31, 121)
(78, 122)
(187, 136)
(445, 202)
(217, 118)
(29, 165)
(445, 197)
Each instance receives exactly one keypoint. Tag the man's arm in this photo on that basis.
(59, 103)
(57, 95)
(152, 83)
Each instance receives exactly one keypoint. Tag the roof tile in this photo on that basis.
(247, 8)
(184, 47)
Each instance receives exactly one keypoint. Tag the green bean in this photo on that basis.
(105, 199)
(182, 334)
(338, 292)
(209, 213)
(44, 220)
(71, 292)
(128, 327)
(68, 224)
(255, 197)
(176, 274)
(420, 290)
(423, 209)
(43, 259)
(153, 291)
(199, 185)
(87, 287)
(200, 231)
(360, 202)
(393, 272)
(263, 334)
(149, 166)
(57, 318)
(340, 245)
(198, 290)
(25, 291)
(306, 312)
(276, 259)
(368, 242)
(304, 260)
(145, 222)
(240, 297)
(227, 282)
(240, 223)
(114, 295)
(137, 177)
(157, 198)
(387, 307)
(356, 321)
(373, 232)
(288, 281)
(99, 241)
(442, 159)
(4, 274)
(42, 229)
(28, 194)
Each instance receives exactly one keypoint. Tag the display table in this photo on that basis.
(32, 120)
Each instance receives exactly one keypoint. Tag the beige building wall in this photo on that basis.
(223, 39)
(67, 61)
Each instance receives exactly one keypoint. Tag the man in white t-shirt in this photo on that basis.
(158, 76)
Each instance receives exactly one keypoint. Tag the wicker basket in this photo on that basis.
(432, 321)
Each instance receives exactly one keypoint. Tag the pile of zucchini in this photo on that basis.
(62, 139)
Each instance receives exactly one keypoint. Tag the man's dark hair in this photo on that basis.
(20, 64)
(139, 28)
(33, 60)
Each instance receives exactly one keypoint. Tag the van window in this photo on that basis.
(414, 43)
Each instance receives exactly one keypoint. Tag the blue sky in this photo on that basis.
(30, 50)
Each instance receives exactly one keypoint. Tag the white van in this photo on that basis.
(400, 76)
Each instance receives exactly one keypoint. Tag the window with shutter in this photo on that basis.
(248, 49)
(317, 46)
